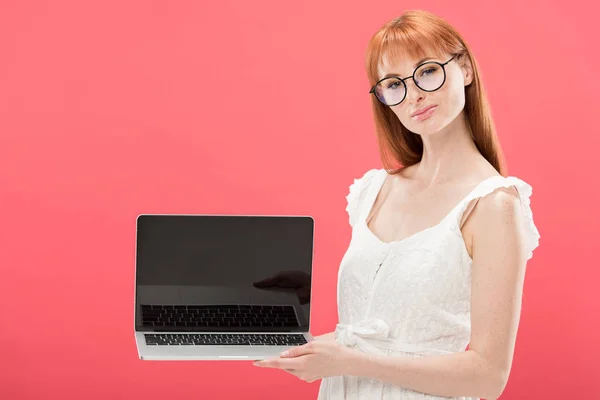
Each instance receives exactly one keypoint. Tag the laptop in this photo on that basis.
(222, 287)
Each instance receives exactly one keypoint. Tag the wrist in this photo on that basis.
(355, 363)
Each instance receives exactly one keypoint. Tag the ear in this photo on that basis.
(467, 69)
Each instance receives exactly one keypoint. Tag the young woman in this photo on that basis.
(430, 287)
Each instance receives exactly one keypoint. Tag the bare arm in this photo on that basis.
(330, 336)
(497, 279)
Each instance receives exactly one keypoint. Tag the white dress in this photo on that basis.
(408, 298)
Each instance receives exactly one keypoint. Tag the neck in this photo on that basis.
(447, 154)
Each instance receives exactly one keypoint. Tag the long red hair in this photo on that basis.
(411, 34)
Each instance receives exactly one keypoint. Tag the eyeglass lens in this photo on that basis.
(428, 77)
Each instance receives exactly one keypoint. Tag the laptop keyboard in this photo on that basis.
(219, 316)
(217, 339)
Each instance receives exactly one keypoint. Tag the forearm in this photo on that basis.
(451, 375)
(326, 336)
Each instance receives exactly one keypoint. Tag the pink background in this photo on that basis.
(113, 108)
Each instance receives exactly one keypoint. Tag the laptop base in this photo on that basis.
(208, 352)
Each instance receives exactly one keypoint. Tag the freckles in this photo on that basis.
(401, 113)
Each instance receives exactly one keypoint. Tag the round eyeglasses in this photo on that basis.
(429, 77)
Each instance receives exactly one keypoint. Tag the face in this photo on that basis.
(443, 105)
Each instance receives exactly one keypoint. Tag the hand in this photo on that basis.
(289, 279)
(314, 360)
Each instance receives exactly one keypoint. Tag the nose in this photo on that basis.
(413, 93)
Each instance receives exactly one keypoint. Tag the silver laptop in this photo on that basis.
(222, 287)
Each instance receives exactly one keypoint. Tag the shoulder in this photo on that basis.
(504, 195)
(504, 202)
(503, 212)
(357, 191)
(366, 177)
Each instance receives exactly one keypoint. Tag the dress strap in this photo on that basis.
(371, 193)
(359, 194)
(484, 188)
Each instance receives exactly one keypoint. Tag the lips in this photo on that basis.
(422, 110)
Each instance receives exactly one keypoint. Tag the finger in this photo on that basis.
(298, 351)
(291, 371)
(279, 363)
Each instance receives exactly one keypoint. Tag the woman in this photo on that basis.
(429, 289)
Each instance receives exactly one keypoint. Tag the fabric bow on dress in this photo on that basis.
(366, 335)
(372, 336)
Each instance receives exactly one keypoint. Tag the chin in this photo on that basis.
(426, 129)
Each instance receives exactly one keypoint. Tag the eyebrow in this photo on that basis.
(421, 61)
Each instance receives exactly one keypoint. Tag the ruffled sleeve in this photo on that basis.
(356, 195)
(531, 232)
(532, 235)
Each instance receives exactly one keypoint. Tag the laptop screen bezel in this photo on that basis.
(138, 327)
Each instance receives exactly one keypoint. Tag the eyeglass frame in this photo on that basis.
(443, 65)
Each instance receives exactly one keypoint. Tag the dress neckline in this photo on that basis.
(376, 189)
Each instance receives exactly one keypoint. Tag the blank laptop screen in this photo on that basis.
(223, 273)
